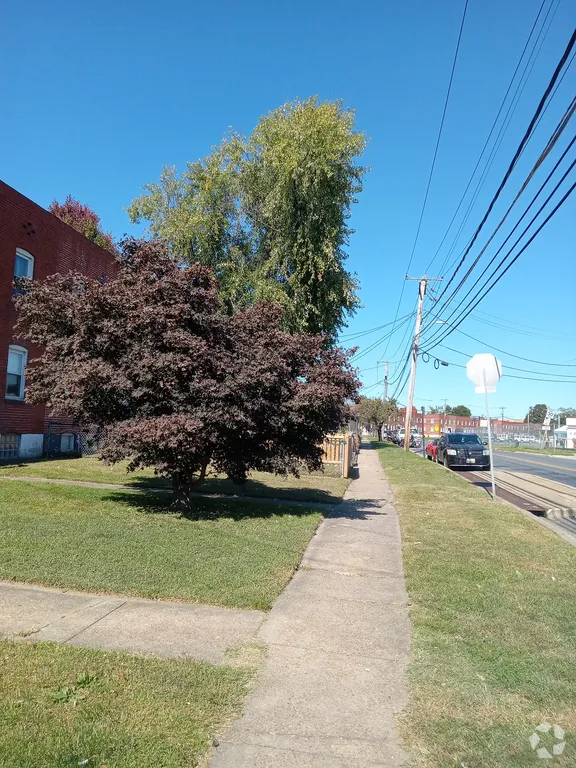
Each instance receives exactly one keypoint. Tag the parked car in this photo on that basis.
(431, 450)
(457, 449)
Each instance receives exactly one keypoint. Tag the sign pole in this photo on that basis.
(489, 436)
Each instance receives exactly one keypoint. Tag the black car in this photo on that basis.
(456, 449)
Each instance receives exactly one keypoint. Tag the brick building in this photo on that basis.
(437, 423)
(33, 243)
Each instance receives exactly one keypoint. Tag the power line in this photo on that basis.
(523, 378)
(454, 326)
(526, 229)
(525, 76)
(375, 344)
(446, 99)
(488, 139)
(521, 330)
(439, 135)
(511, 367)
(349, 336)
(510, 354)
(514, 161)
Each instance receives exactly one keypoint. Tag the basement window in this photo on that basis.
(9, 446)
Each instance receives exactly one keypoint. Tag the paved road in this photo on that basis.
(557, 468)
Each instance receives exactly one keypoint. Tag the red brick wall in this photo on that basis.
(56, 247)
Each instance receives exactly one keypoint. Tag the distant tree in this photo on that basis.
(83, 219)
(172, 382)
(270, 213)
(537, 414)
(434, 409)
(375, 412)
(461, 410)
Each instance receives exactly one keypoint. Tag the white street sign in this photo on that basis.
(485, 371)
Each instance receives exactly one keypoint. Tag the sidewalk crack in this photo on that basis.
(94, 622)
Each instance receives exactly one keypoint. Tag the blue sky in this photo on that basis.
(97, 97)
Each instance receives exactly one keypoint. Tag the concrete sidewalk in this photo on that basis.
(338, 646)
(110, 623)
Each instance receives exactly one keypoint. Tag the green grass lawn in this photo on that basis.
(65, 707)
(532, 449)
(315, 487)
(238, 553)
(493, 599)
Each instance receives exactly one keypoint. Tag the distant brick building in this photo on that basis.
(33, 243)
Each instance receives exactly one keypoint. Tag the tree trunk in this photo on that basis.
(379, 428)
(185, 488)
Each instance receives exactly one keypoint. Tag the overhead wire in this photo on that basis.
(517, 357)
(454, 326)
(514, 160)
(350, 336)
(499, 322)
(513, 368)
(526, 229)
(435, 155)
(524, 77)
(488, 137)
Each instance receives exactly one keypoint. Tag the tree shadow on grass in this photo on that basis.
(237, 508)
(256, 488)
(205, 508)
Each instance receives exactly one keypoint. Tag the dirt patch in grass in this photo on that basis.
(492, 605)
(64, 707)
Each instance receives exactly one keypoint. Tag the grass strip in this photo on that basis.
(239, 554)
(64, 707)
(541, 451)
(308, 487)
(492, 605)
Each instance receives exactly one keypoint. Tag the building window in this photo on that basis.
(67, 443)
(24, 266)
(9, 446)
(17, 359)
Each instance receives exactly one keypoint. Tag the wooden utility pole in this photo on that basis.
(385, 396)
(410, 402)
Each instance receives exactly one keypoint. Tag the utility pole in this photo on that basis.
(385, 397)
(409, 404)
(502, 409)
(444, 414)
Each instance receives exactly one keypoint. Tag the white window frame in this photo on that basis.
(23, 352)
(29, 258)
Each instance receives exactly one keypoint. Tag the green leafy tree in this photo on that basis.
(536, 414)
(461, 410)
(269, 213)
(173, 383)
(374, 412)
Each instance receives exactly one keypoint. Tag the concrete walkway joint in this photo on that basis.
(110, 623)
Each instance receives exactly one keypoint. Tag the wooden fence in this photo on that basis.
(339, 451)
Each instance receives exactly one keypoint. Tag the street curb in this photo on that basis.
(561, 513)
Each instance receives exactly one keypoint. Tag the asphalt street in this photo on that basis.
(557, 468)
